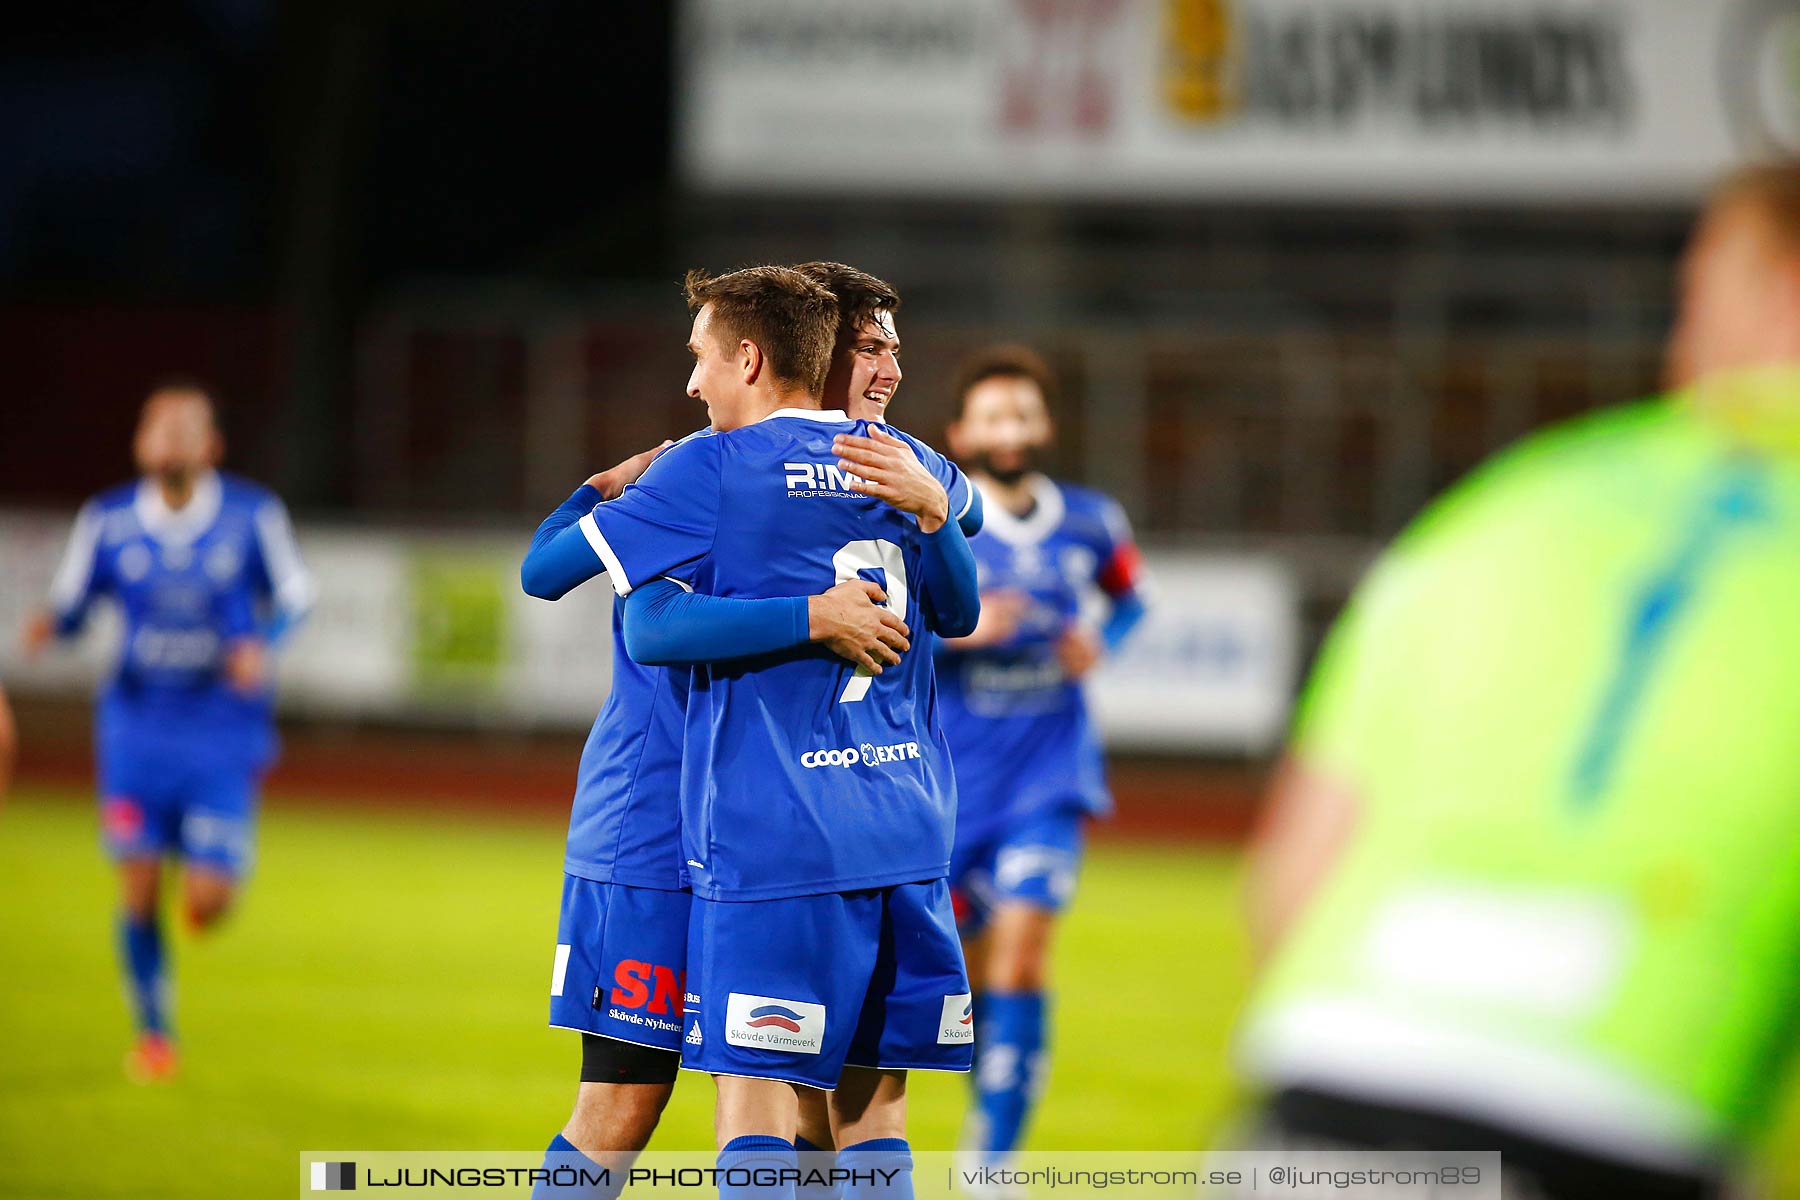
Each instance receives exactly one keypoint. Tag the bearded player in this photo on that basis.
(204, 570)
(1029, 773)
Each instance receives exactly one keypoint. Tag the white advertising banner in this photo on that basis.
(1213, 665)
(1617, 100)
(434, 627)
(407, 625)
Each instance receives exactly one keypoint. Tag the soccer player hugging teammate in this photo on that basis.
(865, 375)
(1029, 771)
(864, 379)
(204, 570)
(796, 696)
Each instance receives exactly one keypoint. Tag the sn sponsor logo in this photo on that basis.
(867, 754)
(653, 988)
(819, 479)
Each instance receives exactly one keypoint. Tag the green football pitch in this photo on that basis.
(384, 985)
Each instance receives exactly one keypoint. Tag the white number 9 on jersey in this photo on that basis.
(873, 554)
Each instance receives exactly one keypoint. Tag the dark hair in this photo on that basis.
(191, 384)
(792, 320)
(1007, 361)
(860, 295)
(1774, 188)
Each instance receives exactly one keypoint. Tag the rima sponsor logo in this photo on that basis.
(819, 479)
(957, 1024)
(772, 1023)
(866, 755)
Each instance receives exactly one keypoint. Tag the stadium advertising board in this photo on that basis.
(1169, 99)
(434, 628)
(1215, 662)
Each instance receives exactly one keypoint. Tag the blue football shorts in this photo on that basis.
(621, 962)
(799, 988)
(1032, 860)
(203, 811)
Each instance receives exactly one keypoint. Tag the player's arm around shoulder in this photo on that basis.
(963, 497)
(561, 557)
(666, 624)
(888, 468)
(667, 521)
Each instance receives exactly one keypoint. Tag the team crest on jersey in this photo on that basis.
(957, 1024)
(134, 562)
(772, 1023)
(222, 562)
(1079, 563)
(810, 480)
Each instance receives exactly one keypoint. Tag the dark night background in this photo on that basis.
(427, 250)
(219, 186)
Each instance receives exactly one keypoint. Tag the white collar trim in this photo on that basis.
(183, 525)
(1035, 525)
(826, 415)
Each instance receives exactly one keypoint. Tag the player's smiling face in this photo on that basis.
(1004, 428)
(717, 378)
(865, 373)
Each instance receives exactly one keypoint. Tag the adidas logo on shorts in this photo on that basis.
(693, 1035)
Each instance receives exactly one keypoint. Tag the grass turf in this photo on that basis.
(384, 987)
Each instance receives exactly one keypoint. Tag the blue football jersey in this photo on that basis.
(800, 774)
(186, 582)
(1018, 727)
(625, 823)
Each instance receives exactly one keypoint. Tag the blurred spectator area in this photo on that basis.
(1296, 381)
(1292, 381)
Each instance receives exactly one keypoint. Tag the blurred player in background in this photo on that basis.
(1531, 880)
(205, 572)
(1029, 771)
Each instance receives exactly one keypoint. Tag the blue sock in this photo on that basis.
(758, 1162)
(815, 1163)
(1009, 1072)
(575, 1176)
(141, 946)
(880, 1167)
